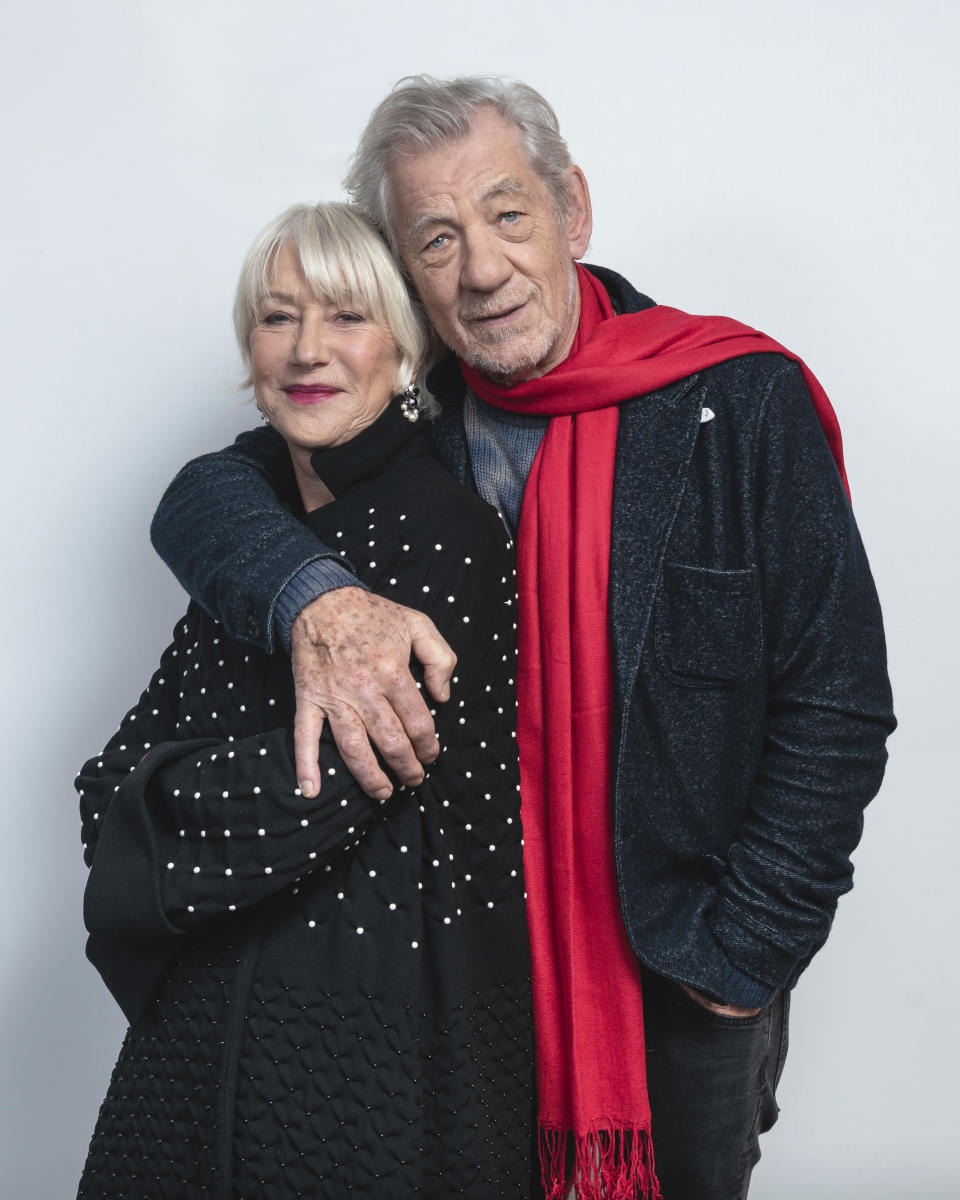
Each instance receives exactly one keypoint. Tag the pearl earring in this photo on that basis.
(410, 404)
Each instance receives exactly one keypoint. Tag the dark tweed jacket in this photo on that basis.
(753, 700)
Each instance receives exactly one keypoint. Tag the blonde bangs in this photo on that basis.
(345, 262)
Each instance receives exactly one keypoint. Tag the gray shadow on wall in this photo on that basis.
(60, 1030)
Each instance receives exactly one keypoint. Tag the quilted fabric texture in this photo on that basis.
(155, 1133)
(328, 997)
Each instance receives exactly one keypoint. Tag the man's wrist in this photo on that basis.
(318, 577)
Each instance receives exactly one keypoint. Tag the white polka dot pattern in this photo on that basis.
(361, 895)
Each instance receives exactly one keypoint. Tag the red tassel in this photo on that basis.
(609, 1164)
(553, 1156)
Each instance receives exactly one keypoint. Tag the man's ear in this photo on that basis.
(580, 215)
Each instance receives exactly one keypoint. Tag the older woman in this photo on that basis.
(328, 996)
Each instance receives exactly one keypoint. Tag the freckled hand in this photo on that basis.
(351, 651)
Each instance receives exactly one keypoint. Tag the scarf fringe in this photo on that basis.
(608, 1164)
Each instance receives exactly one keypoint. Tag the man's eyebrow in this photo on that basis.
(507, 186)
(419, 227)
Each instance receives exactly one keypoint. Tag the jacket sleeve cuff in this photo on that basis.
(741, 989)
(755, 956)
(315, 579)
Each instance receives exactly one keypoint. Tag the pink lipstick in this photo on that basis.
(310, 393)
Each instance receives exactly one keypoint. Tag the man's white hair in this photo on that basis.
(421, 113)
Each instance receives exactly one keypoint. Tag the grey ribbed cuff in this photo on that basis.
(318, 577)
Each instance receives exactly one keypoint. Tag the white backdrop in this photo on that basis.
(788, 163)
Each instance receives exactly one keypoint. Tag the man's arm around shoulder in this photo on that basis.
(226, 530)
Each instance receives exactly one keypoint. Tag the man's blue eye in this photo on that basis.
(437, 242)
(510, 216)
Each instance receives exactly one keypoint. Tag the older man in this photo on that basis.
(703, 696)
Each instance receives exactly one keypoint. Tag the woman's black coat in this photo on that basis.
(330, 996)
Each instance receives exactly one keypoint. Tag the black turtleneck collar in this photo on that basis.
(366, 455)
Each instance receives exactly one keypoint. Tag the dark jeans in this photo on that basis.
(712, 1083)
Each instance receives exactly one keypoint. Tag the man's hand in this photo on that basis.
(351, 666)
(722, 1010)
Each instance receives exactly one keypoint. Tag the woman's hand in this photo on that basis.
(351, 666)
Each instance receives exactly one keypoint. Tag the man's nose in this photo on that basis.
(486, 266)
(313, 343)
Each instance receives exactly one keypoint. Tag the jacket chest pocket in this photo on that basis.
(708, 626)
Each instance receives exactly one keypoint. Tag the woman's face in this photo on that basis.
(321, 372)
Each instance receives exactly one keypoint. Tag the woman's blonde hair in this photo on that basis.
(344, 261)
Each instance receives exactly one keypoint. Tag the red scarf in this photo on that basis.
(588, 1014)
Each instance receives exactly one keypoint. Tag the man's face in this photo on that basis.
(480, 237)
